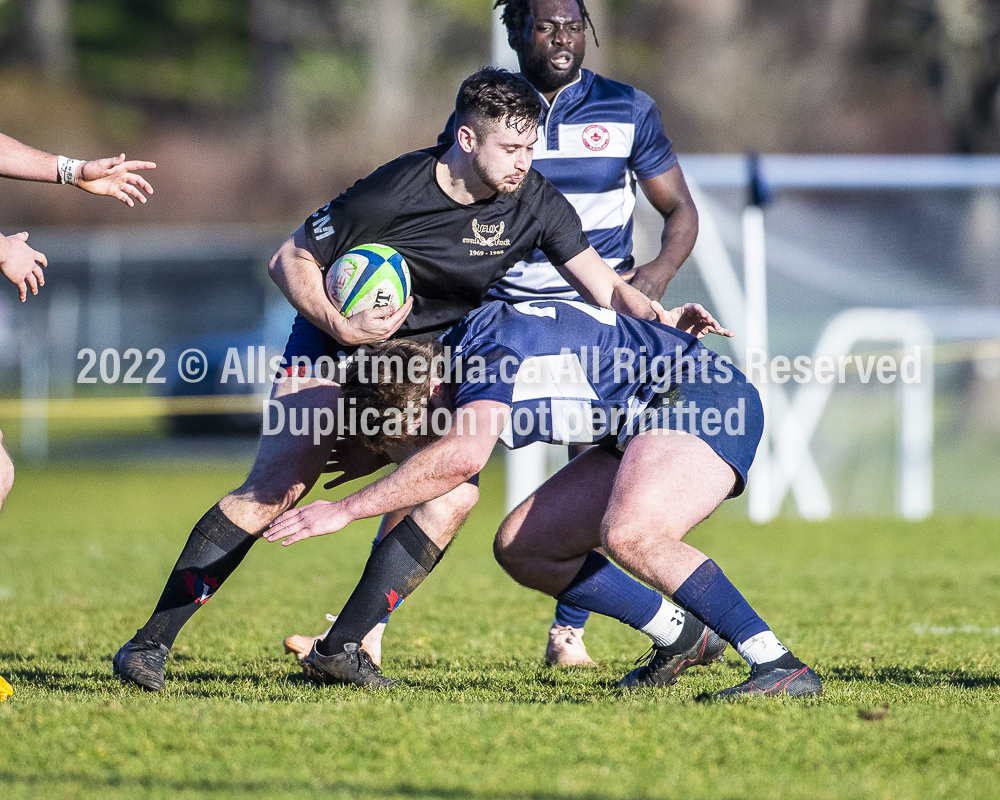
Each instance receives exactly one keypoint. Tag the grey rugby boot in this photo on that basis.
(794, 680)
(142, 664)
(665, 666)
(353, 666)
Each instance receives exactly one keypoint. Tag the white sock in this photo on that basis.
(666, 624)
(761, 648)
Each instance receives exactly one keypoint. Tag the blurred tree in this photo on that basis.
(180, 56)
(969, 52)
(391, 51)
(51, 37)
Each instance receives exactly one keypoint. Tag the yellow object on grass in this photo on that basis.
(5, 690)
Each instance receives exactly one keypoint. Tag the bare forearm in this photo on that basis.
(680, 230)
(592, 278)
(302, 284)
(25, 163)
(423, 477)
(631, 302)
(668, 193)
(297, 274)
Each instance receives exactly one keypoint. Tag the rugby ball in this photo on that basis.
(369, 276)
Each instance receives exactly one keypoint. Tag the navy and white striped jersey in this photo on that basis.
(596, 139)
(565, 367)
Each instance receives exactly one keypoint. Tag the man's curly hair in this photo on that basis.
(515, 12)
(391, 379)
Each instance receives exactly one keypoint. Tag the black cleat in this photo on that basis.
(142, 664)
(664, 668)
(354, 667)
(796, 681)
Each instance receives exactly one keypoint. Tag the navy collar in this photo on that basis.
(554, 112)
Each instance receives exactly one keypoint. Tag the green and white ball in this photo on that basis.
(369, 276)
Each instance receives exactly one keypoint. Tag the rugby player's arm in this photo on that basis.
(669, 195)
(426, 475)
(600, 285)
(25, 163)
(107, 176)
(298, 274)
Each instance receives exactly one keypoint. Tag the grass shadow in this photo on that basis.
(913, 676)
(259, 788)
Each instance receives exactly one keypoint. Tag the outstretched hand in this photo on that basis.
(691, 318)
(316, 519)
(21, 265)
(353, 460)
(114, 177)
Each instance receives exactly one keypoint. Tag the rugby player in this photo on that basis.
(461, 215)
(597, 138)
(677, 428)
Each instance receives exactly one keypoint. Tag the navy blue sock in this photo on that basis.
(570, 615)
(708, 594)
(601, 587)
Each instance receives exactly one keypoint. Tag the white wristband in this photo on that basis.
(69, 169)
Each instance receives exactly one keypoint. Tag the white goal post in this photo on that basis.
(784, 463)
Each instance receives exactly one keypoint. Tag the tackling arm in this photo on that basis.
(600, 285)
(428, 474)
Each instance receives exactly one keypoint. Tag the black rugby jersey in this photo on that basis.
(455, 252)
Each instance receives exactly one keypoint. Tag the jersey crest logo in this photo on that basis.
(596, 137)
(487, 235)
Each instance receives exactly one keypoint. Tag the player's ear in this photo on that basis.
(437, 392)
(466, 138)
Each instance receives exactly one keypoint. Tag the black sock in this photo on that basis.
(213, 551)
(395, 568)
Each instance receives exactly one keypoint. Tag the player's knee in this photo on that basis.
(460, 503)
(502, 546)
(273, 497)
(507, 546)
(508, 556)
(619, 540)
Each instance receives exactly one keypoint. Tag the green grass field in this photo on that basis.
(887, 612)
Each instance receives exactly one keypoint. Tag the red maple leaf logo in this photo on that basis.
(393, 598)
(202, 588)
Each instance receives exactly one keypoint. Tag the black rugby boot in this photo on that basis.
(666, 664)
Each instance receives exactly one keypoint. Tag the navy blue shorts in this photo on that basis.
(728, 417)
(308, 343)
